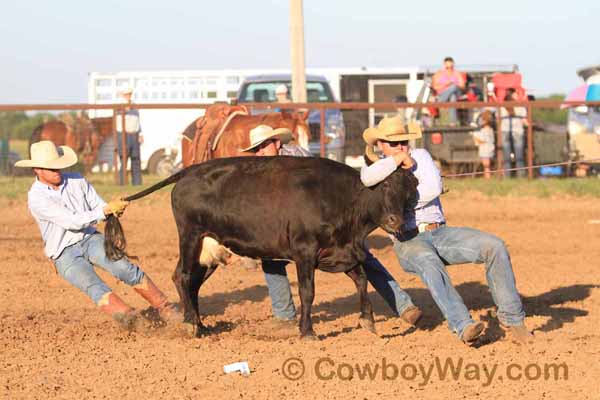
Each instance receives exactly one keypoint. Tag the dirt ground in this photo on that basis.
(55, 344)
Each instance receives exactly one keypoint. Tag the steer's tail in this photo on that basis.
(114, 238)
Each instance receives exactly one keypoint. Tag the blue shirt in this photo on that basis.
(67, 215)
(429, 208)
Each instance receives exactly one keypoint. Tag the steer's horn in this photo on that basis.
(370, 153)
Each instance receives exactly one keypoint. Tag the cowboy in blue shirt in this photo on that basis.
(426, 245)
(67, 208)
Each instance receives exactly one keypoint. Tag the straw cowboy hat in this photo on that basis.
(391, 129)
(262, 133)
(45, 154)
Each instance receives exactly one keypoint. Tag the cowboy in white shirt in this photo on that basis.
(67, 208)
(426, 245)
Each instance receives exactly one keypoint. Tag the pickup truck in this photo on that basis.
(261, 89)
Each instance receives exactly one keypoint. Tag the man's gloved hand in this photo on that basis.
(404, 160)
(115, 207)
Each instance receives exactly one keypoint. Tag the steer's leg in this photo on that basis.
(188, 276)
(306, 287)
(200, 274)
(359, 277)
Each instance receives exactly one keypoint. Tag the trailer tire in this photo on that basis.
(160, 164)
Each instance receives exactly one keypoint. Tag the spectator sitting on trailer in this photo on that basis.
(448, 85)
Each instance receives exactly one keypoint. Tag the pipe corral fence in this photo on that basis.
(118, 112)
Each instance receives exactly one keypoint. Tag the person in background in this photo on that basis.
(449, 85)
(281, 94)
(426, 245)
(67, 208)
(133, 140)
(267, 142)
(484, 139)
(512, 125)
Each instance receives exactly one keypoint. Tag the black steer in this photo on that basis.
(313, 211)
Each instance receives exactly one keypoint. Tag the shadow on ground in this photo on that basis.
(475, 295)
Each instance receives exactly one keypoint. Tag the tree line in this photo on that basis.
(20, 125)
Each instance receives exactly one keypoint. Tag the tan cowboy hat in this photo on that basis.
(264, 132)
(45, 154)
(391, 129)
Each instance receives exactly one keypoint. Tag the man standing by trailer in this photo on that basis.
(133, 139)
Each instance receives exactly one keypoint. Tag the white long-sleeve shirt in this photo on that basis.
(67, 215)
(429, 207)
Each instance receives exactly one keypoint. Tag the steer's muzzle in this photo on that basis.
(392, 223)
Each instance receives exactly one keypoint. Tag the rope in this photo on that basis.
(594, 160)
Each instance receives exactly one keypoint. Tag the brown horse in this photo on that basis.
(225, 130)
(77, 133)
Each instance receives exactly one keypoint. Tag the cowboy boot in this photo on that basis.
(169, 312)
(124, 315)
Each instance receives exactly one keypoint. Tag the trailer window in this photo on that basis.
(103, 82)
(123, 82)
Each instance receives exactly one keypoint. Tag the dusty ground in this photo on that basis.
(54, 343)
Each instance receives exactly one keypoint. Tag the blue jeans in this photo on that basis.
(132, 143)
(428, 253)
(279, 289)
(380, 278)
(518, 142)
(76, 265)
(451, 94)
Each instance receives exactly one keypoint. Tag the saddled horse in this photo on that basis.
(77, 133)
(224, 130)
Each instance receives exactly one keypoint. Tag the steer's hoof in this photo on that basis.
(367, 324)
(309, 337)
(187, 329)
(202, 331)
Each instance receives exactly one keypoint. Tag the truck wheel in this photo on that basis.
(161, 165)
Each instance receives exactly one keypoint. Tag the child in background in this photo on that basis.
(484, 139)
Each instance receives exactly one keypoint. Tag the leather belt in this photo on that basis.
(429, 227)
(411, 233)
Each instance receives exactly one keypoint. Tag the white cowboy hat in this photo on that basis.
(264, 132)
(45, 154)
(281, 89)
(126, 91)
(391, 129)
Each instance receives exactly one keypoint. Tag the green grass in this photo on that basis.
(16, 188)
(541, 188)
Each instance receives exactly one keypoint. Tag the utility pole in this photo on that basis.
(297, 51)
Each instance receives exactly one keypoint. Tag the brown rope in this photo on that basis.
(594, 160)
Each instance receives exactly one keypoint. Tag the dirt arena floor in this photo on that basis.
(55, 344)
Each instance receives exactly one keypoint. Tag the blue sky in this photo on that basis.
(48, 47)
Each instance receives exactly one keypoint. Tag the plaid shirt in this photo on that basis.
(293, 150)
